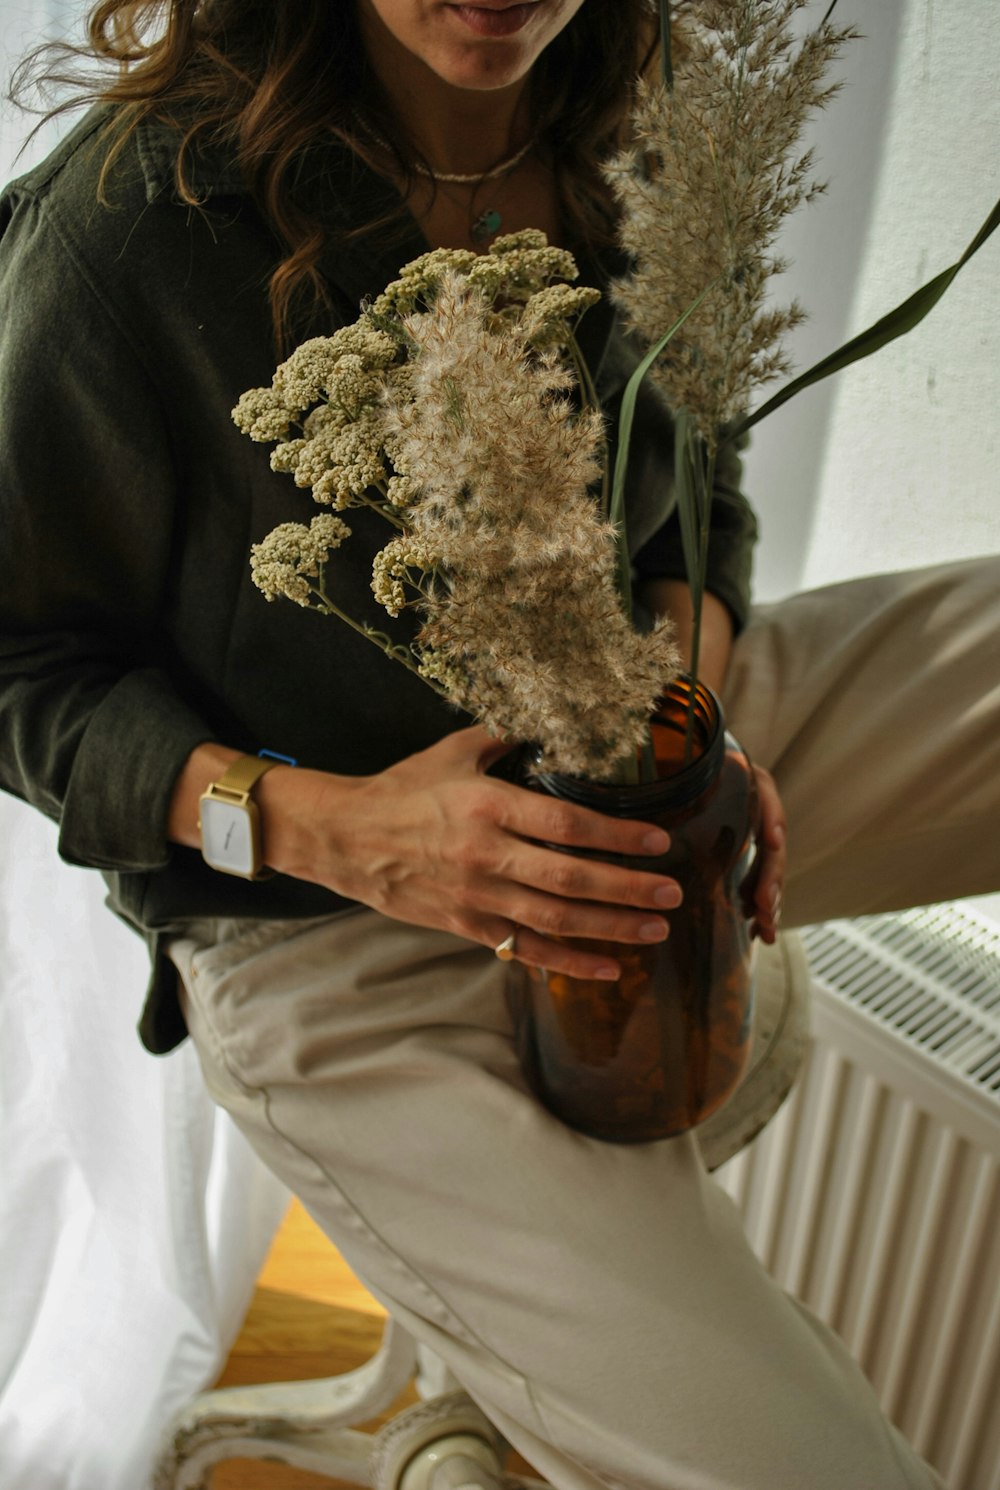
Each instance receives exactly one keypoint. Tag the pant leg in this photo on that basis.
(599, 1301)
(876, 704)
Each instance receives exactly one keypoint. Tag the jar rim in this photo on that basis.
(675, 789)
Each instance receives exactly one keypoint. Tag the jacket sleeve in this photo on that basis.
(92, 731)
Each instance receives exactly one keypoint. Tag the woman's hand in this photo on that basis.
(435, 841)
(768, 880)
(762, 894)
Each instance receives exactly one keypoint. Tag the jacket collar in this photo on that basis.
(212, 172)
(348, 194)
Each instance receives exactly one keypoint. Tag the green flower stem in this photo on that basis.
(666, 58)
(897, 322)
(693, 519)
(705, 481)
(694, 479)
(647, 760)
(379, 638)
(383, 508)
(626, 418)
(589, 392)
(637, 767)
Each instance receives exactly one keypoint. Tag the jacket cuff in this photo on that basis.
(115, 811)
(726, 583)
(730, 563)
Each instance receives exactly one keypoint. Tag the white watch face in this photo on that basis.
(226, 836)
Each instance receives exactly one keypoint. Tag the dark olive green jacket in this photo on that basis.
(129, 629)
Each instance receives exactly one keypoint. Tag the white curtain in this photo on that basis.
(133, 1216)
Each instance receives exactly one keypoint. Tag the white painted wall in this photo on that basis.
(893, 463)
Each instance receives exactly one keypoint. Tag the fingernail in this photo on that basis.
(669, 896)
(653, 931)
(609, 972)
(656, 841)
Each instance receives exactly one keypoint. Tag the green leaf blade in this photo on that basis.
(908, 314)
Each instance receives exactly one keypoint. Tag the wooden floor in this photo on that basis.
(309, 1318)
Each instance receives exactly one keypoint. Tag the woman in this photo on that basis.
(266, 168)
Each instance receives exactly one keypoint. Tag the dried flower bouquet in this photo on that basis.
(711, 173)
(447, 409)
(449, 406)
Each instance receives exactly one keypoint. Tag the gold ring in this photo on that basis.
(505, 949)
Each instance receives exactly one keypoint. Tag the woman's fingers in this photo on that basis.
(545, 819)
(600, 962)
(435, 841)
(562, 877)
(550, 896)
(769, 879)
(535, 815)
(561, 901)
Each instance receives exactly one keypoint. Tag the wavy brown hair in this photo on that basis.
(271, 79)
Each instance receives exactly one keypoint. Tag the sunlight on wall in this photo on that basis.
(893, 462)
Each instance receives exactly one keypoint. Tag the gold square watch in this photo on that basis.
(229, 820)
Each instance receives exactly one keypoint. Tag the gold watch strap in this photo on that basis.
(243, 774)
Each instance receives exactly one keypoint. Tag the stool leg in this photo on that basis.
(433, 1378)
(303, 1423)
(445, 1443)
(412, 1447)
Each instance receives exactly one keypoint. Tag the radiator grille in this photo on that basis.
(931, 975)
(874, 1195)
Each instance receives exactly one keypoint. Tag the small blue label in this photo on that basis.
(274, 756)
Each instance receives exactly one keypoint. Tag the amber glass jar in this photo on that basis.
(656, 1052)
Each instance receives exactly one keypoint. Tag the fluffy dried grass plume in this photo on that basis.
(523, 616)
(711, 175)
(449, 410)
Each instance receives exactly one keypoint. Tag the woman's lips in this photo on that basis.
(490, 21)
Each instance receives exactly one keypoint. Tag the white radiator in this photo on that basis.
(874, 1195)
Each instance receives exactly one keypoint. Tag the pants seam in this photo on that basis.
(262, 1094)
(406, 1268)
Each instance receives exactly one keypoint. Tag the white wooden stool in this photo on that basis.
(309, 1424)
(445, 1442)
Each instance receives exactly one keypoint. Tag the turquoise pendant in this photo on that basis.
(486, 225)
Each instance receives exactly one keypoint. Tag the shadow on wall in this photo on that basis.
(825, 245)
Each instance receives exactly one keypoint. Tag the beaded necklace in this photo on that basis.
(487, 223)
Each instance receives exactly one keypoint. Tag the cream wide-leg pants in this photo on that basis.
(600, 1301)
